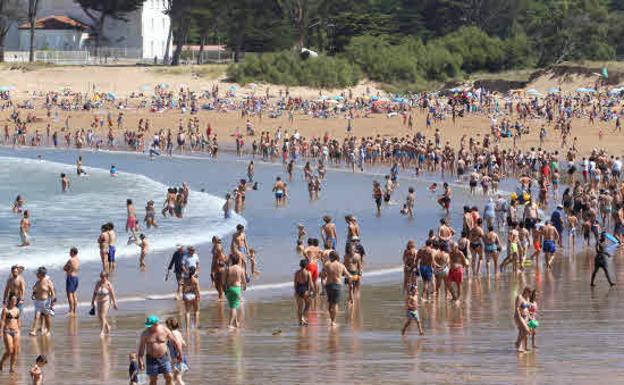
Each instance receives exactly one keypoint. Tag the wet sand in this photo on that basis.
(467, 344)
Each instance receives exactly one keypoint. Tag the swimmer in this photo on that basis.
(132, 224)
(281, 191)
(80, 171)
(150, 215)
(409, 202)
(64, 183)
(18, 205)
(24, 229)
(328, 233)
(113, 170)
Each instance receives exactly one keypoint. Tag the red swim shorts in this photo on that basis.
(313, 269)
(456, 274)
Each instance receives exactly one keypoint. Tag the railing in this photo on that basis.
(114, 56)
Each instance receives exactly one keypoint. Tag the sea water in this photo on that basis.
(73, 219)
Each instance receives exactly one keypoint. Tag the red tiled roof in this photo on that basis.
(56, 22)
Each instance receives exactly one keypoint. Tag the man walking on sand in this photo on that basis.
(333, 271)
(72, 267)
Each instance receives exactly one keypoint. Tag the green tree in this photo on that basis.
(11, 11)
(100, 10)
(33, 10)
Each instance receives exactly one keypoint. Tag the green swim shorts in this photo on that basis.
(233, 294)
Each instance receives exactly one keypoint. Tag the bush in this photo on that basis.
(289, 69)
(477, 49)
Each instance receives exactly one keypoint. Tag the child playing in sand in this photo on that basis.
(133, 370)
(411, 306)
(36, 372)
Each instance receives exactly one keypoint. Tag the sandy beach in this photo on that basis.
(123, 81)
(470, 342)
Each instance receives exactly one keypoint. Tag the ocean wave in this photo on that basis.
(60, 221)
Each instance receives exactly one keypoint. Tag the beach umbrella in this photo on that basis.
(534, 92)
(455, 89)
(233, 88)
(399, 100)
(4, 88)
(163, 85)
(374, 98)
(338, 97)
(615, 91)
(586, 90)
(553, 90)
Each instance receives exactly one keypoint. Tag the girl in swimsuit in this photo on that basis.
(9, 324)
(521, 318)
(104, 294)
(191, 298)
(303, 287)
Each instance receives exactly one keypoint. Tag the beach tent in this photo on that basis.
(338, 98)
(533, 92)
(553, 90)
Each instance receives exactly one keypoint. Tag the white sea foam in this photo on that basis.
(60, 221)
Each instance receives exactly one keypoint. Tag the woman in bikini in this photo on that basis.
(9, 324)
(219, 263)
(191, 298)
(103, 295)
(521, 317)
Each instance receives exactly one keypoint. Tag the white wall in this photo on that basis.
(155, 29)
(145, 32)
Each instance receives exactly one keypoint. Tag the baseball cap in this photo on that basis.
(151, 320)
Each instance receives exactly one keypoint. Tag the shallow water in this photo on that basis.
(579, 338)
(578, 335)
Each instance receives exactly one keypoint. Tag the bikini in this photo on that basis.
(10, 316)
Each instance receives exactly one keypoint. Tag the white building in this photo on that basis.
(143, 35)
(59, 33)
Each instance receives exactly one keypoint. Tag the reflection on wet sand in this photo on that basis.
(469, 342)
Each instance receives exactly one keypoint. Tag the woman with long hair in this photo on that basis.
(9, 324)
